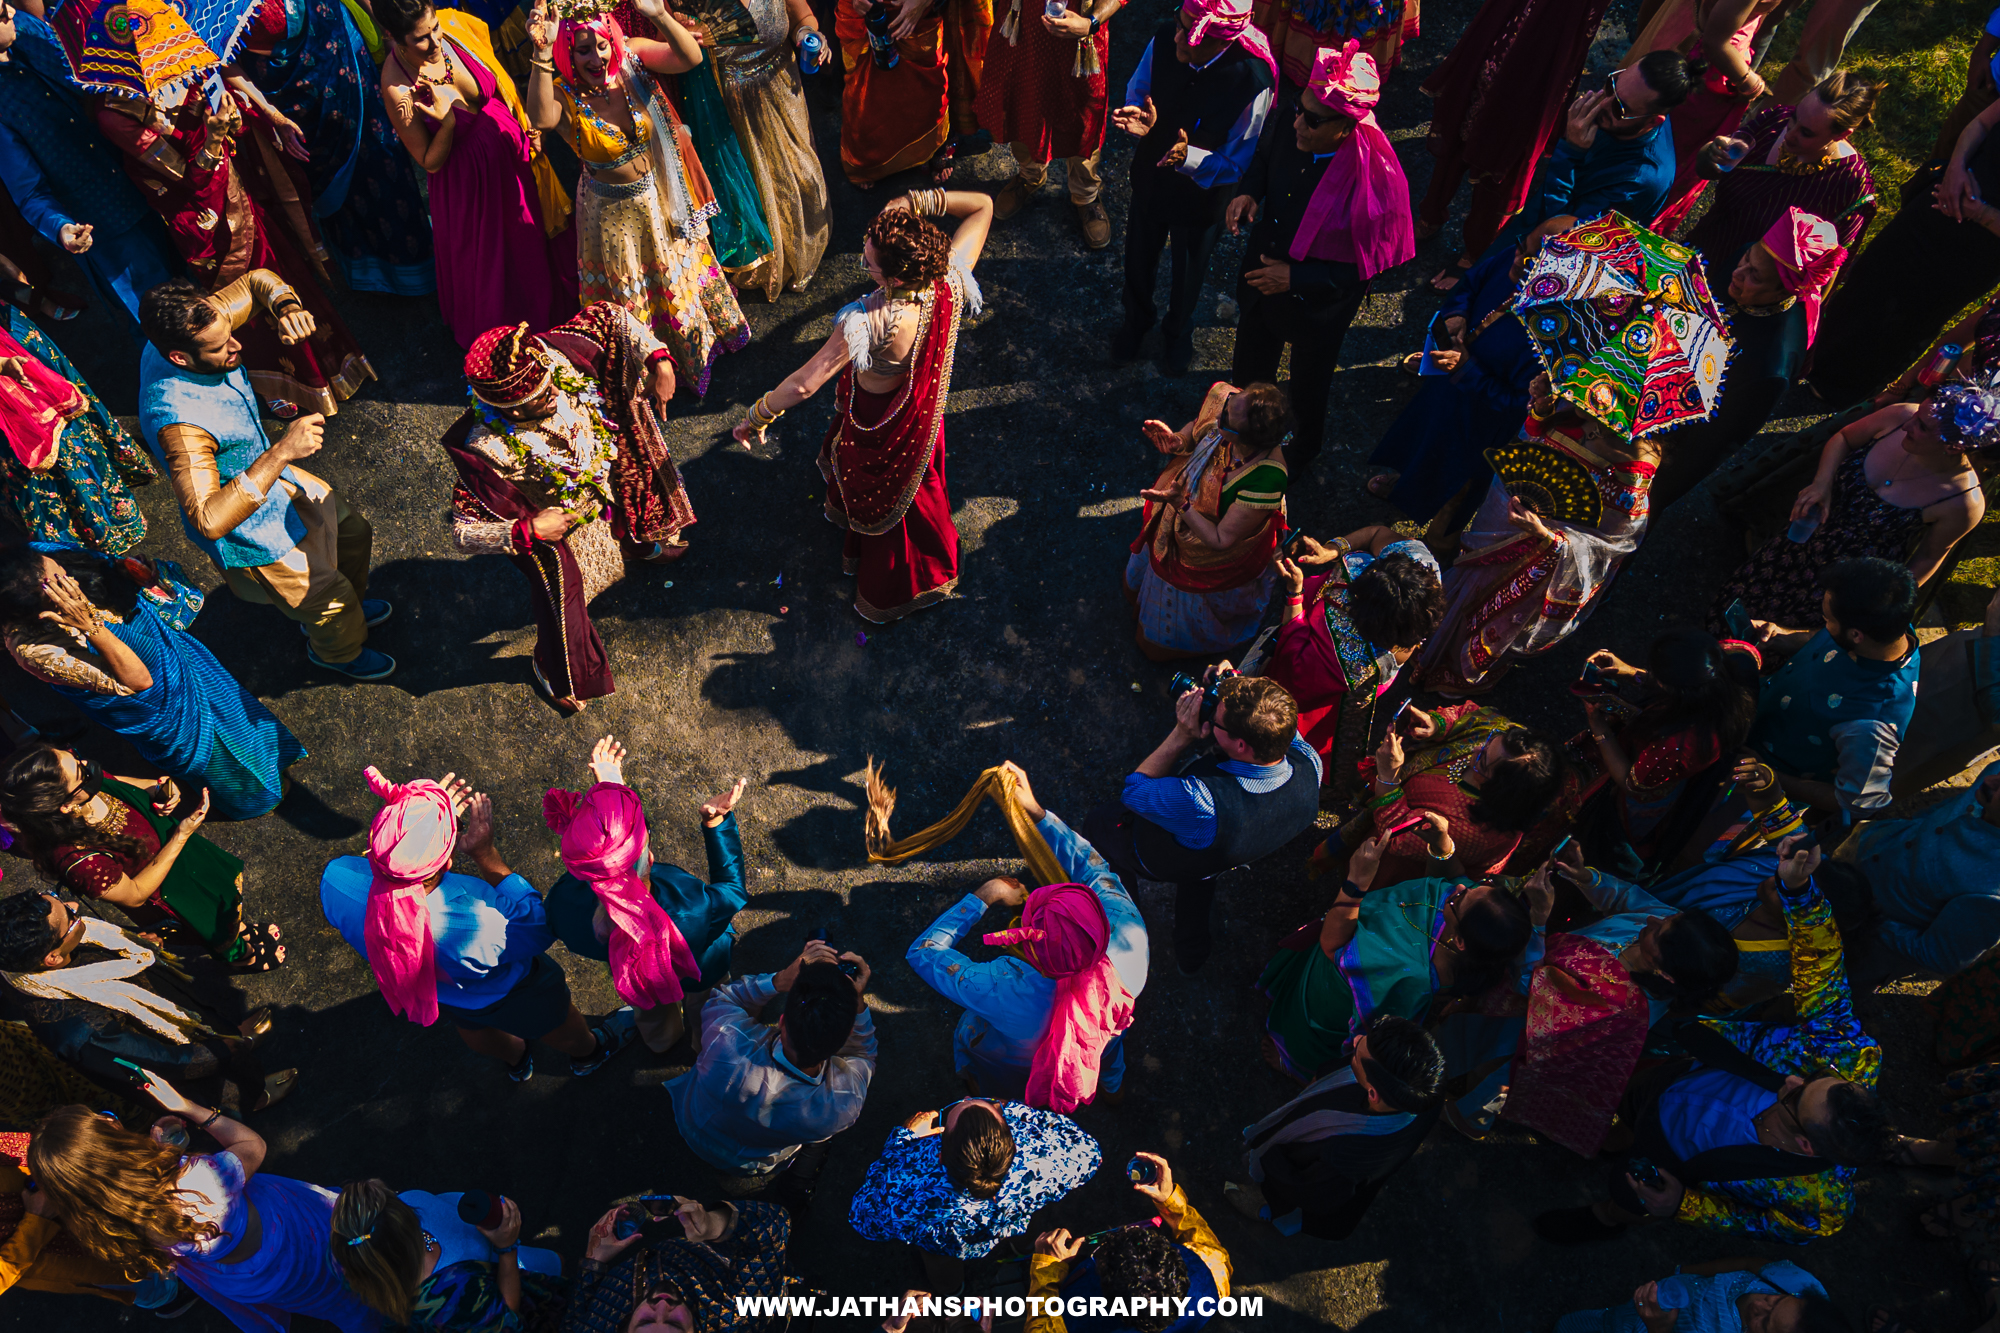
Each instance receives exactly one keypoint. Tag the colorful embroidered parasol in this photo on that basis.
(1625, 326)
(143, 47)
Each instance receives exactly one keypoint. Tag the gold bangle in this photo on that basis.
(548, 65)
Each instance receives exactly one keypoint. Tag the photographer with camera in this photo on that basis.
(762, 1099)
(1172, 1256)
(686, 1270)
(1187, 822)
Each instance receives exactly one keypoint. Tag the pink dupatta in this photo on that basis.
(413, 837)
(603, 833)
(1063, 935)
(1360, 212)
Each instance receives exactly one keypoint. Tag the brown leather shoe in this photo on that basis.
(1010, 199)
(1096, 224)
(277, 1087)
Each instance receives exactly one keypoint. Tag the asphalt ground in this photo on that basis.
(747, 659)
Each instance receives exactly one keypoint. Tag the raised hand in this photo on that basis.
(717, 807)
(607, 760)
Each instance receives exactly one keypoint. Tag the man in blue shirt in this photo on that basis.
(1617, 149)
(1187, 823)
(1008, 1002)
(488, 936)
(1197, 118)
(1831, 719)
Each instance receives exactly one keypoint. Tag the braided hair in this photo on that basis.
(910, 249)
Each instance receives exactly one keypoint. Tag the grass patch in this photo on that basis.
(1920, 49)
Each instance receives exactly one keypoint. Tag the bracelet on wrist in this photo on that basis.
(213, 1116)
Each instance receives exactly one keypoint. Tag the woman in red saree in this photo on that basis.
(184, 161)
(883, 459)
(1722, 33)
(1346, 637)
(1200, 573)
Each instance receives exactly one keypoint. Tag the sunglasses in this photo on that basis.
(1313, 119)
(1611, 91)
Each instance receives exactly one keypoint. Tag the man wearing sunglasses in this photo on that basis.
(1617, 149)
(1761, 1130)
(1328, 209)
(98, 997)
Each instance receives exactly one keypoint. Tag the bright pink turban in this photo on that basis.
(604, 26)
(1360, 212)
(1063, 934)
(603, 833)
(1231, 19)
(412, 838)
(1809, 255)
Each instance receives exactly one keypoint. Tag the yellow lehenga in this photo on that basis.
(644, 244)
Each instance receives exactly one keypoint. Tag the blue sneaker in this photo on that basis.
(613, 1035)
(370, 665)
(374, 610)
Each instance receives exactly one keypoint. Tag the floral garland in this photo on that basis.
(584, 492)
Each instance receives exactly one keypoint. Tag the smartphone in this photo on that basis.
(1411, 822)
(1645, 1172)
(1556, 855)
(1290, 545)
(1737, 620)
(1401, 709)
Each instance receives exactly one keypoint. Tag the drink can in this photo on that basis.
(175, 1135)
(1940, 365)
(1670, 1293)
(1733, 156)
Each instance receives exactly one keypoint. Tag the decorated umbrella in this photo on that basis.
(1625, 326)
(143, 47)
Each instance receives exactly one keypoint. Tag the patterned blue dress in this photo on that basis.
(84, 497)
(194, 721)
(908, 1197)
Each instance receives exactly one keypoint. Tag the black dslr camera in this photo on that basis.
(1211, 691)
(847, 969)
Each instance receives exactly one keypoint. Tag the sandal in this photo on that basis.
(1381, 484)
(664, 553)
(277, 1087)
(1905, 1154)
(262, 951)
(257, 1028)
(564, 704)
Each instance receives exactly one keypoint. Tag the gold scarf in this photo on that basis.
(996, 784)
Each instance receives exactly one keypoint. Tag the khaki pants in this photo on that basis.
(1085, 185)
(662, 1028)
(1829, 28)
(321, 581)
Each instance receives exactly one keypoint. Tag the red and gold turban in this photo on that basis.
(507, 366)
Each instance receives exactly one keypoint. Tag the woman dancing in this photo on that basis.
(883, 459)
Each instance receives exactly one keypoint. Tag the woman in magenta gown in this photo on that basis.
(500, 219)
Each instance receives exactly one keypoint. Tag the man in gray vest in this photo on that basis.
(278, 533)
(1186, 823)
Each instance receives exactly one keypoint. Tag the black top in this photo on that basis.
(1282, 178)
(1248, 825)
(1332, 1181)
(1206, 102)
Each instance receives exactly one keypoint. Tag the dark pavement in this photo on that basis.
(724, 672)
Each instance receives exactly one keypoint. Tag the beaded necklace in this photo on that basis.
(581, 482)
(439, 80)
(589, 113)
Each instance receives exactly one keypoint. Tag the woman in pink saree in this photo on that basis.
(504, 252)
(1522, 583)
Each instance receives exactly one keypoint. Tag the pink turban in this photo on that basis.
(1230, 19)
(1809, 256)
(603, 833)
(604, 26)
(1063, 935)
(1360, 212)
(412, 838)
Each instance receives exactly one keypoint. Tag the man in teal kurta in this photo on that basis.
(278, 533)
